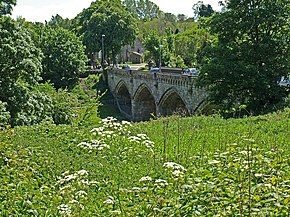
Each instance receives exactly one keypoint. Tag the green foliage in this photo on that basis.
(197, 166)
(192, 44)
(61, 102)
(251, 54)
(64, 58)
(20, 68)
(143, 9)
(202, 10)
(57, 21)
(4, 115)
(152, 45)
(6, 6)
(109, 18)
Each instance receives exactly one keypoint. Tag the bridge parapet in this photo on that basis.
(169, 78)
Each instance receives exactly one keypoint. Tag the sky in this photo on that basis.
(41, 10)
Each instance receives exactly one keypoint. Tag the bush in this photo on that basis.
(4, 115)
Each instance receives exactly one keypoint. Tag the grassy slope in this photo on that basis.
(34, 157)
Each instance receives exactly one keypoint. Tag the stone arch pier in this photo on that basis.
(142, 95)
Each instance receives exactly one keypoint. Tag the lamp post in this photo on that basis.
(160, 52)
(103, 55)
(160, 46)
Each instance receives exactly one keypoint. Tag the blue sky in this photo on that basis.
(41, 10)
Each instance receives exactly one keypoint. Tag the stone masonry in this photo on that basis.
(142, 95)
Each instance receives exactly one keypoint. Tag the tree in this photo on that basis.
(64, 57)
(169, 17)
(181, 17)
(58, 21)
(6, 6)
(143, 9)
(252, 52)
(152, 45)
(108, 18)
(202, 10)
(20, 70)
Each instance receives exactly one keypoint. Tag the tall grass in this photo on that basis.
(173, 166)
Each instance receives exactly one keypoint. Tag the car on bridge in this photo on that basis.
(126, 67)
(190, 72)
(154, 70)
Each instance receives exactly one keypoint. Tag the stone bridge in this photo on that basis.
(142, 95)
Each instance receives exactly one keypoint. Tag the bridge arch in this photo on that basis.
(144, 104)
(123, 98)
(172, 103)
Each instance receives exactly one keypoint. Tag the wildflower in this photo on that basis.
(64, 209)
(134, 139)
(81, 194)
(115, 212)
(177, 173)
(243, 152)
(173, 166)
(84, 145)
(136, 189)
(109, 201)
(70, 177)
(149, 144)
(145, 179)
(214, 162)
(143, 136)
(74, 201)
(160, 183)
(82, 172)
(126, 123)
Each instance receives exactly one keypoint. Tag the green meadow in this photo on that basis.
(173, 166)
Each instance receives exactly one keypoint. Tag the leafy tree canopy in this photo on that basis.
(20, 70)
(58, 21)
(192, 44)
(143, 9)
(202, 10)
(6, 6)
(251, 53)
(64, 57)
(108, 18)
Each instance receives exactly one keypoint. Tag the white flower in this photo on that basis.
(74, 201)
(64, 209)
(134, 139)
(149, 144)
(108, 201)
(145, 179)
(70, 177)
(173, 166)
(136, 189)
(116, 212)
(81, 194)
(177, 173)
(84, 145)
(142, 136)
(159, 183)
(82, 172)
(126, 123)
(214, 162)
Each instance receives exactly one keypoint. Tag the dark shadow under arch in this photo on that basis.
(171, 103)
(123, 98)
(144, 104)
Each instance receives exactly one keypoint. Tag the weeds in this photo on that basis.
(199, 166)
